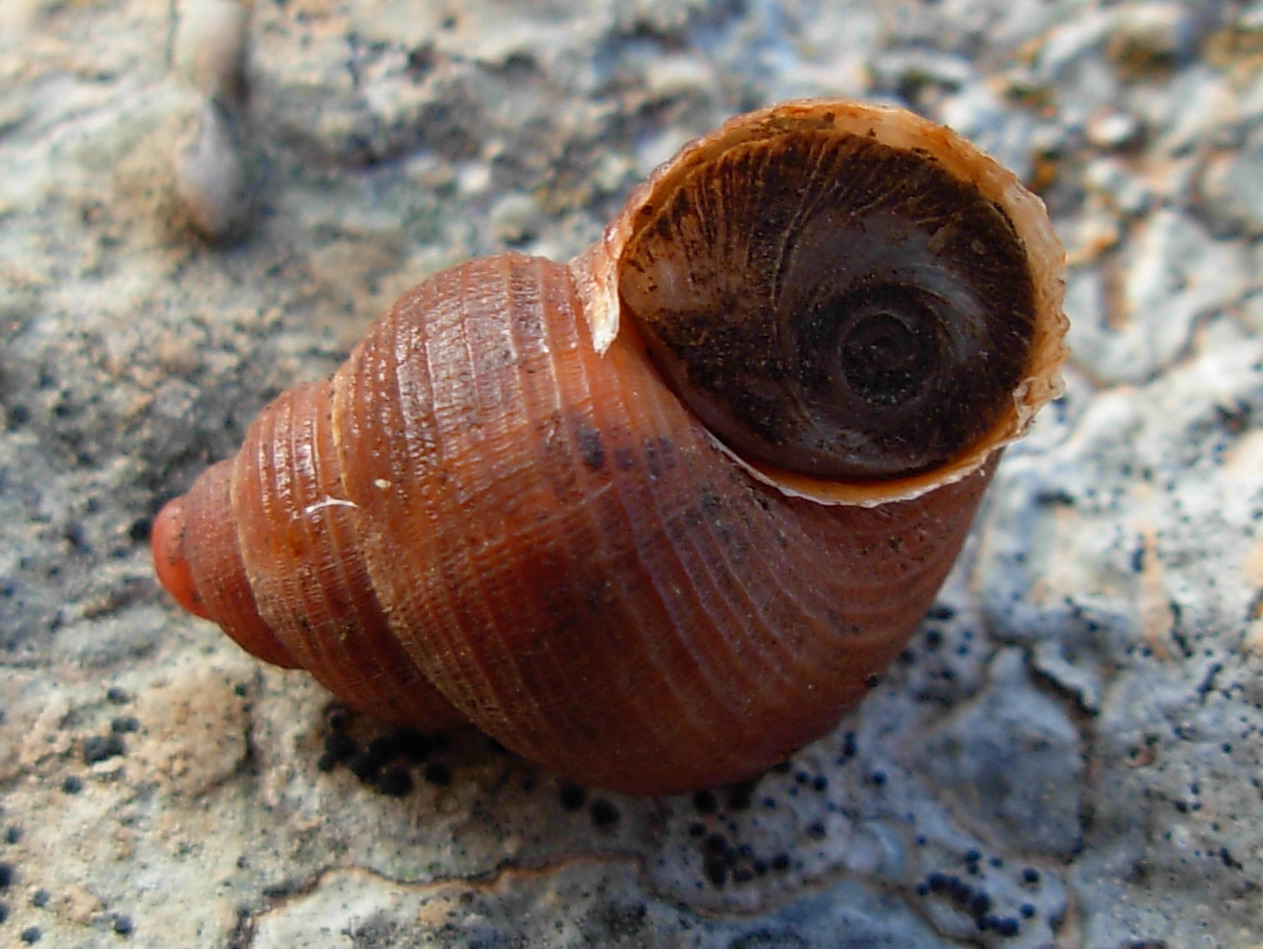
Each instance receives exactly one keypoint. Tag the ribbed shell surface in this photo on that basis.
(480, 501)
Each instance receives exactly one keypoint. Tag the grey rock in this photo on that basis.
(1013, 758)
(1138, 315)
(1232, 184)
(1068, 752)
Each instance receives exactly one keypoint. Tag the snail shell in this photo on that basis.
(656, 518)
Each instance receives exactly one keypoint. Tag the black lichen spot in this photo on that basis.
(705, 802)
(1006, 927)
(716, 870)
(849, 747)
(438, 774)
(6, 875)
(624, 920)
(72, 785)
(740, 796)
(384, 748)
(101, 747)
(395, 781)
(591, 447)
(1235, 419)
(337, 718)
(19, 415)
(339, 746)
(31, 934)
(123, 925)
(74, 537)
(975, 902)
(1138, 559)
(1055, 498)
(716, 844)
(364, 765)
(413, 745)
(125, 725)
(572, 796)
(40, 898)
(12, 834)
(117, 696)
(604, 814)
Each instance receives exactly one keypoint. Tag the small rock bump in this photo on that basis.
(210, 176)
(208, 51)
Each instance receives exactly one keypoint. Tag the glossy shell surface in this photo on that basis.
(505, 507)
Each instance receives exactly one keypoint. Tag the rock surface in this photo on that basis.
(1068, 755)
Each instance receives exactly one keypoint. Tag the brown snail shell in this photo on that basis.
(505, 506)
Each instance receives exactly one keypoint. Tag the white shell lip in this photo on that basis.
(595, 273)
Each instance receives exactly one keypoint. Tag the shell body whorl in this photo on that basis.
(493, 513)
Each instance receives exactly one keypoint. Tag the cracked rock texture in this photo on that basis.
(202, 202)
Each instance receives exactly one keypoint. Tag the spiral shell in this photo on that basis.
(658, 517)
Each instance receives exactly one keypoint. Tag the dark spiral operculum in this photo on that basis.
(832, 305)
